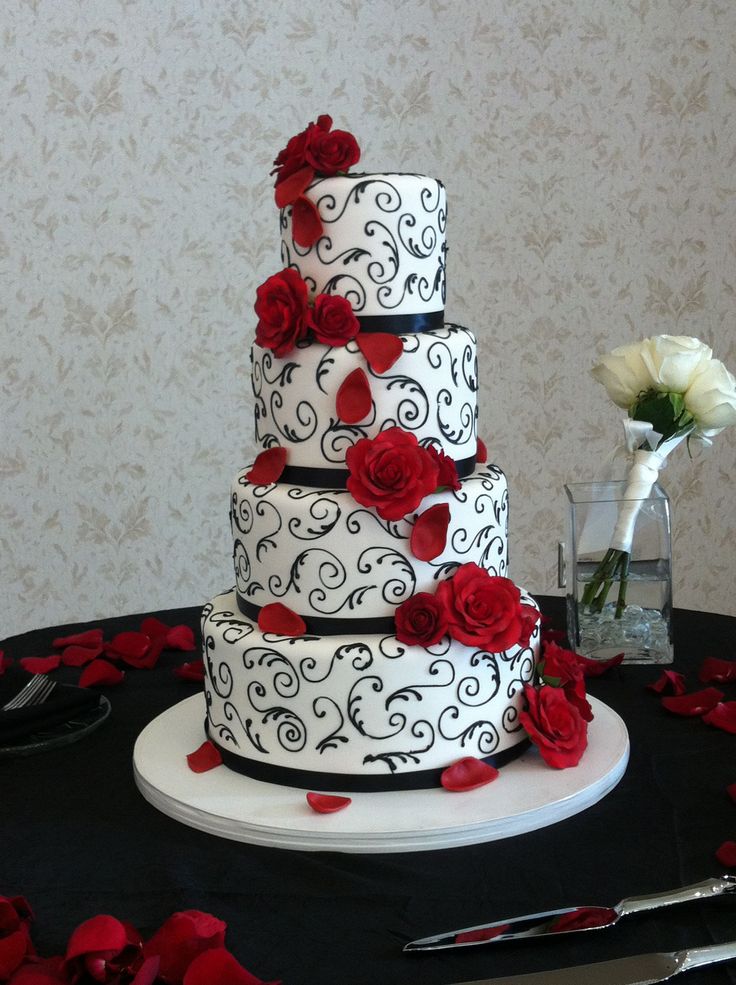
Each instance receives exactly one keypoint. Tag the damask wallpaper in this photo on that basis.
(588, 149)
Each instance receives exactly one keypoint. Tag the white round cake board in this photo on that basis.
(527, 795)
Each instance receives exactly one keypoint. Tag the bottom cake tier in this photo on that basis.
(356, 713)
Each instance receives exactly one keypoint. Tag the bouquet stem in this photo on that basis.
(615, 565)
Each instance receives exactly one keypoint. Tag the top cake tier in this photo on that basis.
(383, 248)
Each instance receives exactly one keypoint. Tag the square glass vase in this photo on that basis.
(631, 614)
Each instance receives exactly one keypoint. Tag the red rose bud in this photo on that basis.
(421, 620)
(481, 452)
(282, 308)
(429, 533)
(280, 619)
(354, 401)
(693, 704)
(391, 472)
(482, 610)
(447, 475)
(306, 224)
(324, 803)
(332, 320)
(554, 725)
(381, 349)
(468, 774)
(268, 466)
(205, 758)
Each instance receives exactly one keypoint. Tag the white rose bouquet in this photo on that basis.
(673, 389)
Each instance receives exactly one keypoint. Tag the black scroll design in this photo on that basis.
(481, 732)
(459, 429)
(349, 287)
(224, 730)
(475, 690)
(322, 707)
(338, 437)
(361, 519)
(305, 419)
(291, 732)
(324, 367)
(267, 541)
(386, 198)
(241, 515)
(323, 515)
(431, 197)
(413, 284)
(487, 544)
(420, 246)
(412, 409)
(325, 568)
(358, 711)
(235, 630)
(384, 269)
(360, 656)
(440, 357)
(442, 670)
(285, 678)
(399, 582)
(243, 569)
(220, 676)
(423, 732)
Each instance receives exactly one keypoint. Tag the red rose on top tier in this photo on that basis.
(332, 151)
(332, 320)
(283, 309)
(317, 149)
(485, 610)
(392, 473)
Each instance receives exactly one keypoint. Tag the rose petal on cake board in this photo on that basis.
(101, 672)
(481, 452)
(722, 716)
(78, 656)
(714, 669)
(726, 854)
(325, 803)
(381, 349)
(306, 224)
(205, 758)
(40, 665)
(192, 670)
(268, 466)
(468, 773)
(280, 619)
(90, 637)
(429, 533)
(693, 704)
(354, 400)
(669, 679)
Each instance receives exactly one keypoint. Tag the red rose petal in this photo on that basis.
(78, 656)
(40, 665)
(181, 938)
(91, 637)
(100, 672)
(481, 452)
(278, 618)
(5, 662)
(429, 534)
(596, 668)
(44, 972)
(148, 971)
(695, 703)
(721, 671)
(325, 803)
(129, 644)
(723, 716)
(100, 933)
(731, 791)
(669, 679)
(306, 224)
(291, 188)
(206, 758)
(12, 951)
(354, 399)
(191, 671)
(153, 627)
(726, 854)
(381, 350)
(180, 638)
(217, 966)
(467, 774)
(268, 466)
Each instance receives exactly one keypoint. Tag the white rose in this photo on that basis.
(673, 361)
(711, 397)
(624, 374)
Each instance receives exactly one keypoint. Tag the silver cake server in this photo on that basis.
(640, 969)
(570, 919)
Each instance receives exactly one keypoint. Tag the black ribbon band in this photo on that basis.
(359, 783)
(402, 324)
(321, 478)
(329, 625)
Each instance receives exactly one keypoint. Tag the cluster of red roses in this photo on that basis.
(316, 150)
(188, 949)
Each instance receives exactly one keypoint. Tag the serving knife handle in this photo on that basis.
(694, 957)
(700, 890)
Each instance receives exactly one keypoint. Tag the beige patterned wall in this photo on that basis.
(588, 147)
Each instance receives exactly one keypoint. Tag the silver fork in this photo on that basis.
(36, 691)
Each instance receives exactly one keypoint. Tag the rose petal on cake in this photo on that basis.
(293, 187)
(325, 803)
(268, 466)
(90, 637)
(207, 757)
(193, 670)
(180, 638)
(280, 619)
(429, 534)
(78, 656)
(381, 349)
(467, 774)
(354, 400)
(695, 703)
(713, 669)
(481, 452)
(306, 225)
(668, 679)
(40, 665)
(726, 854)
(722, 715)
(101, 672)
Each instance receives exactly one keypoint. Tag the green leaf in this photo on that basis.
(661, 410)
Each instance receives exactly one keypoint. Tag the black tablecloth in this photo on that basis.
(78, 839)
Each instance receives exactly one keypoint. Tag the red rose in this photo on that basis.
(421, 619)
(554, 725)
(332, 320)
(482, 609)
(282, 309)
(332, 151)
(101, 948)
(180, 939)
(448, 470)
(561, 668)
(391, 472)
(15, 938)
(293, 156)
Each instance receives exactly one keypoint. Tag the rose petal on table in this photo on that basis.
(381, 349)
(77, 656)
(468, 773)
(726, 854)
(40, 665)
(281, 620)
(153, 628)
(135, 649)
(206, 758)
(720, 671)
(595, 668)
(90, 637)
(101, 933)
(181, 938)
(180, 638)
(217, 966)
(669, 679)
(731, 791)
(429, 533)
(5, 662)
(695, 703)
(101, 672)
(268, 466)
(148, 971)
(481, 452)
(325, 803)
(48, 971)
(13, 948)
(354, 400)
(722, 716)
(193, 670)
